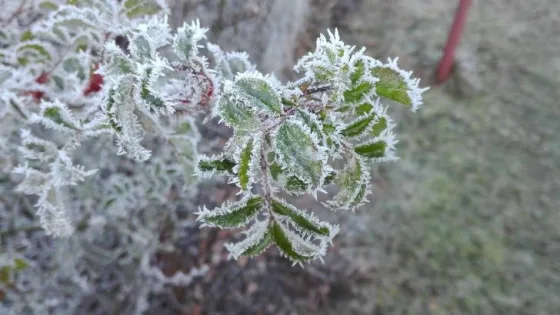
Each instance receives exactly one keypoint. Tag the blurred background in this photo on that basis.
(468, 221)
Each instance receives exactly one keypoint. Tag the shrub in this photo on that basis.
(76, 75)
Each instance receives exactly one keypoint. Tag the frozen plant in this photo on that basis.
(99, 102)
(288, 138)
(98, 107)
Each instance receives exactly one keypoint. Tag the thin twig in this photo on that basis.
(16, 13)
(316, 89)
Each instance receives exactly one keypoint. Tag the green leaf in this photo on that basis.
(353, 183)
(25, 36)
(184, 42)
(22, 61)
(219, 165)
(20, 264)
(58, 81)
(330, 178)
(118, 64)
(356, 93)
(284, 244)
(141, 48)
(375, 149)
(245, 165)
(234, 215)
(184, 128)
(238, 64)
(260, 246)
(328, 128)
(48, 5)
(148, 96)
(297, 151)
(275, 170)
(81, 43)
(73, 65)
(295, 185)
(343, 108)
(137, 8)
(235, 113)
(109, 202)
(261, 92)
(358, 72)
(391, 85)
(5, 272)
(302, 220)
(113, 121)
(37, 48)
(310, 121)
(357, 127)
(5, 74)
(360, 196)
(379, 126)
(54, 113)
(363, 109)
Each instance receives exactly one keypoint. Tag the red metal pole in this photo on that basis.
(446, 61)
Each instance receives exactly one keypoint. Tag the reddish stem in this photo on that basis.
(446, 62)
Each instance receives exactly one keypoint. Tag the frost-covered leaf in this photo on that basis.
(298, 150)
(137, 8)
(110, 111)
(295, 246)
(34, 148)
(247, 163)
(379, 126)
(260, 246)
(36, 49)
(373, 149)
(213, 165)
(398, 85)
(9, 269)
(357, 127)
(239, 62)
(185, 42)
(153, 101)
(232, 215)
(73, 65)
(116, 62)
(221, 64)
(275, 170)
(48, 5)
(330, 178)
(141, 48)
(358, 92)
(259, 91)
(311, 121)
(258, 238)
(295, 185)
(391, 85)
(56, 115)
(353, 182)
(122, 115)
(285, 245)
(373, 121)
(233, 110)
(301, 220)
